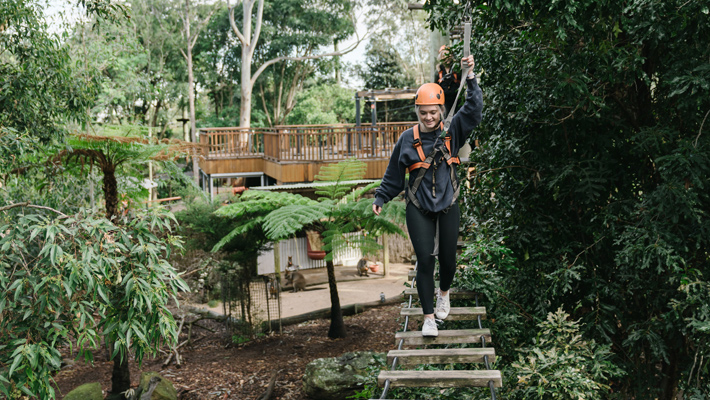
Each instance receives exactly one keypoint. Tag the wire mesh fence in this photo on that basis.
(252, 305)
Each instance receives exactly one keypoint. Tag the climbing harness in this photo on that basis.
(426, 162)
(424, 165)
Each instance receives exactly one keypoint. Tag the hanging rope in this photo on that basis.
(485, 358)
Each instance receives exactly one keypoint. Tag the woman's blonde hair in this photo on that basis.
(442, 112)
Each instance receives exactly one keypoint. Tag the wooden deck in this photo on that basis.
(296, 153)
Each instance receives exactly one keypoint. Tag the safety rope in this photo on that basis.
(401, 341)
(485, 358)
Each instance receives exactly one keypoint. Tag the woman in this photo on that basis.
(432, 211)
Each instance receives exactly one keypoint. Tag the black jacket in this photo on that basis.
(405, 154)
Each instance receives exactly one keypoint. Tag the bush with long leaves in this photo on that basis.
(76, 278)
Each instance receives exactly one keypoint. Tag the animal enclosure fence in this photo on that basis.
(250, 304)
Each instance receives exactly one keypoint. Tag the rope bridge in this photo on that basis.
(423, 355)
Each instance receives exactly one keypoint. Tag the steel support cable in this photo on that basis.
(386, 388)
(485, 358)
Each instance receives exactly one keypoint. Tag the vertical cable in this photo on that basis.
(485, 358)
(386, 388)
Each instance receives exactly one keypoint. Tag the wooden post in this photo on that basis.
(277, 273)
(386, 264)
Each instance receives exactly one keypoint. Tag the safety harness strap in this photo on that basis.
(418, 145)
(424, 165)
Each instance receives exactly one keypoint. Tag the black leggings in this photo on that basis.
(422, 230)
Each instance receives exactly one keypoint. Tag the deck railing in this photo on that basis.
(292, 143)
(233, 142)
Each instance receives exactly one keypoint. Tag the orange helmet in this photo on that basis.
(429, 94)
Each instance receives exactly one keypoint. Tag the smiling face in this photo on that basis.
(429, 116)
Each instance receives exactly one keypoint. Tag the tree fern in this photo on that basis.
(239, 230)
(340, 210)
(341, 174)
(357, 193)
(286, 221)
(256, 202)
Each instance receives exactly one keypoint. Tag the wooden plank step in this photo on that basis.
(456, 313)
(412, 273)
(415, 338)
(440, 379)
(453, 295)
(441, 356)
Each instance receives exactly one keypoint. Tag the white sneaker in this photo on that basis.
(443, 306)
(429, 328)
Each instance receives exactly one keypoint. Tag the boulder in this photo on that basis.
(87, 391)
(337, 378)
(164, 391)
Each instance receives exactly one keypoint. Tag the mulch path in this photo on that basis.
(215, 368)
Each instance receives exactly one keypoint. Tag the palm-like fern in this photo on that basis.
(111, 152)
(340, 210)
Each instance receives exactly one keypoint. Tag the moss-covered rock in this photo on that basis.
(337, 378)
(164, 391)
(87, 391)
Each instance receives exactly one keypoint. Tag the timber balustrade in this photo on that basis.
(304, 143)
(233, 142)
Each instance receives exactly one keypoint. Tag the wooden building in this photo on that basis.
(295, 153)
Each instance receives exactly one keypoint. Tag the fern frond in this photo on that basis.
(256, 202)
(239, 230)
(286, 221)
(341, 174)
(357, 193)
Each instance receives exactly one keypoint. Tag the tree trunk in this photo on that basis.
(337, 63)
(247, 51)
(191, 91)
(245, 106)
(159, 104)
(121, 376)
(110, 191)
(337, 326)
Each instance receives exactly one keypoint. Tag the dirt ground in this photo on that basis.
(215, 368)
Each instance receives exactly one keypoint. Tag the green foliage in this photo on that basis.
(341, 177)
(137, 63)
(562, 365)
(369, 380)
(298, 28)
(41, 87)
(278, 216)
(247, 212)
(58, 273)
(323, 104)
(595, 165)
(384, 68)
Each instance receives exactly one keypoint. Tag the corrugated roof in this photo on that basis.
(311, 185)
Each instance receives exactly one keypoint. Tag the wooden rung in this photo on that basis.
(412, 273)
(452, 294)
(440, 379)
(415, 338)
(456, 313)
(441, 356)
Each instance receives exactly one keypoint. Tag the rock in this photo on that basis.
(164, 391)
(87, 391)
(337, 378)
